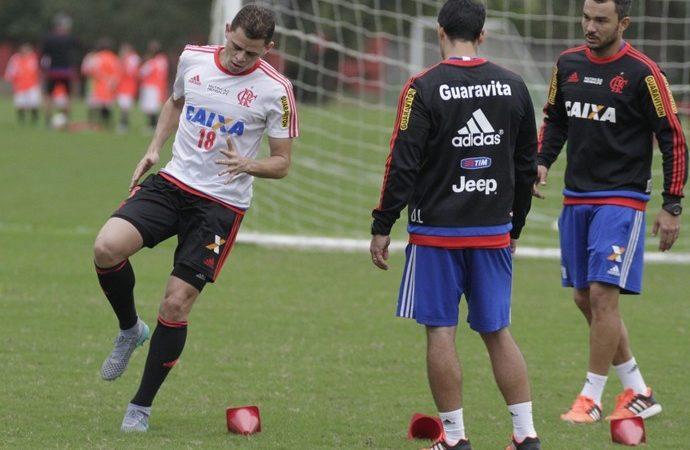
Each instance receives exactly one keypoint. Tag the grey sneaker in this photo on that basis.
(125, 343)
(136, 419)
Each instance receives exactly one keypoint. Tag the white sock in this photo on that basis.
(631, 377)
(594, 387)
(523, 425)
(453, 425)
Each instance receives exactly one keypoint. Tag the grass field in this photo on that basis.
(308, 336)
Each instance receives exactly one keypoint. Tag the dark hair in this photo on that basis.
(462, 19)
(257, 22)
(622, 7)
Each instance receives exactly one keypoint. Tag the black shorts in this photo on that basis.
(55, 77)
(205, 229)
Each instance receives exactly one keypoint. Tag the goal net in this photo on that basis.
(348, 60)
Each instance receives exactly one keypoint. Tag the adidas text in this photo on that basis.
(477, 132)
(476, 140)
(486, 186)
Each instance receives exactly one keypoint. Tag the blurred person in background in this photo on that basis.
(129, 83)
(59, 55)
(103, 70)
(23, 72)
(153, 77)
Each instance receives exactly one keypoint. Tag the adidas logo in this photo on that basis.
(478, 132)
(573, 78)
(195, 80)
(614, 271)
(210, 262)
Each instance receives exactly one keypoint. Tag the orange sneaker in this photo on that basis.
(630, 404)
(584, 410)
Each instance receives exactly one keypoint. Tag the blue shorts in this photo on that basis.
(436, 278)
(602, 243)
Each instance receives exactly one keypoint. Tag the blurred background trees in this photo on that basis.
(173, 23)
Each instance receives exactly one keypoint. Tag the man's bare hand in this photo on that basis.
(542, 175)
(149, 160)
(379, 250)
(234, 162)
(667, 226)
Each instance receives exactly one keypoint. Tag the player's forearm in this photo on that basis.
(167, 124)
(274, 166)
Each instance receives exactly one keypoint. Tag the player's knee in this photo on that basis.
(106, 252)
(174, 307)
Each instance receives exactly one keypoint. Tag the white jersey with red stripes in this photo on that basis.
(219, 104)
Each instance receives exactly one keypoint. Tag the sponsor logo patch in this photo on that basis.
(478, 132)
(492, 89)
(593, 80)
(481, 162)
(654, 91)
(670, 96)
(286, 111)
(487, 186)
(407, 109)
(553, 86)
(216, 244)
(617, 253)
(213, 120)
(590, 111)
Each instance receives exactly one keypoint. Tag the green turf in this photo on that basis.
(307, 336)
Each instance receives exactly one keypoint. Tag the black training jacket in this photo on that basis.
(462, 157)
(609, 111)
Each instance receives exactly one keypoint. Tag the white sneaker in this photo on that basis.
(125, 343)
(136, 419)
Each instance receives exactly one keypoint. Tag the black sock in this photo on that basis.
(166, 347)
(118, 286)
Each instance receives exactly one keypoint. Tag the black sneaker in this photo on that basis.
(529, 443)
(441, 444)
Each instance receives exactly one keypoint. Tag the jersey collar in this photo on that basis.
(619, 54)
(216, 58)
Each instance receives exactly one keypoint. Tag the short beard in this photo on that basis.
(603, 46)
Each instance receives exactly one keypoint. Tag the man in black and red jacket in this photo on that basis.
(608, 100)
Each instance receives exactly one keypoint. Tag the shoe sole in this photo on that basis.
(650, 412)
(646, 414)
(577, 422)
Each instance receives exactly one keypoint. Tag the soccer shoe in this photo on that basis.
(441, 444)
(116, 363)
(136, 419)
(584, 410)
(630, 404)
(528, 443)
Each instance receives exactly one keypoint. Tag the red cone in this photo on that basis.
(628, 431)
(244, 419)
(425, 427)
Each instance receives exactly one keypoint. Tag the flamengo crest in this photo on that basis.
(617, 84)
(246, 97)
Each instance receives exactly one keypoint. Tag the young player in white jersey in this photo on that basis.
(223, 100)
